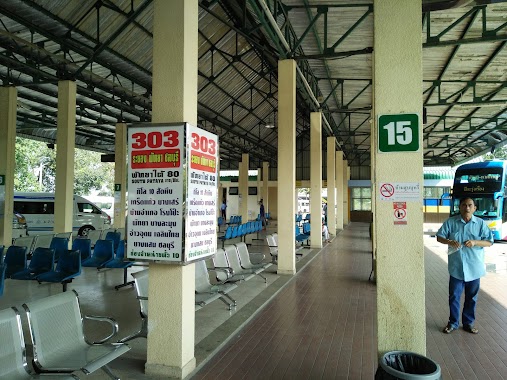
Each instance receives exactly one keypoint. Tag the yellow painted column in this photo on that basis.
(120, 174)
(346, 206)
(340, 192)
(8, 109)
(259, 184)
(286, 165)
(243, 187)
(65, 149)
(265, 185)
(331, 183)
(398, 78)
(171, 326)
(316, 179)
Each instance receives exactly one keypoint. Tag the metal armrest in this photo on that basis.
(227, 270)
(111, 321)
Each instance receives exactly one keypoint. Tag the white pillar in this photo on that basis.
(331, 183)
(171, 329)
(8, 109)
(65, 147)
(316, 179)
(401, 319)
(265, 185)
(346, 206)
(340, 191)
(120, 174)
(286, 165)
(243, 187)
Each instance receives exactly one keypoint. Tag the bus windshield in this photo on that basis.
(486, 207)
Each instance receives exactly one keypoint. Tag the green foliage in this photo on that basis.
(499, 154)
(32, 157)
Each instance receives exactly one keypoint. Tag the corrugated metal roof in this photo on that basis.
(106, 46)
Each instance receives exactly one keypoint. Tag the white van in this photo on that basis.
(39, 212)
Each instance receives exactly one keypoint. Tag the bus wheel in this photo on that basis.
(83, 231)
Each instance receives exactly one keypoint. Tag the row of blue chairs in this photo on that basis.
(234, 220)
(241, 231)
(304, 235)
(68, 266)
(267, 215)
(300, 219)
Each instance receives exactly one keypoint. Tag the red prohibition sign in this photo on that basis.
(400, 213)
(387, 190)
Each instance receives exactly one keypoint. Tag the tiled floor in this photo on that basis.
(321, 323)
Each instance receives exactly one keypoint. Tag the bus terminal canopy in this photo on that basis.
(106, 47)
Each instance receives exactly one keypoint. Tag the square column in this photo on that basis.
(401, 317)
(171, 327)
(65, 150)
(243, 187)
(331, 185)
(8, 109)
(316, 179)
(265, 185)
(120, 174)
(286, 165)
(346, 206)
(340, 191)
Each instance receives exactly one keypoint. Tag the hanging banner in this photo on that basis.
(172, 188)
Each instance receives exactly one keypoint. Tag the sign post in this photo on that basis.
(172, 190)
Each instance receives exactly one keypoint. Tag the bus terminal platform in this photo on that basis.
(318, 324)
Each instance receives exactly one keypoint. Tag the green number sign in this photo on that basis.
(117, 187)
(398, 133)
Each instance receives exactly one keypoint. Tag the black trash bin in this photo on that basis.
(407, 366)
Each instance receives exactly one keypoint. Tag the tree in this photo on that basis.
(36, 169)
(499, 154)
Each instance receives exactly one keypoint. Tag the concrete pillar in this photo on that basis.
(8, 109)
(65, 147)
(346, 206)
(340, 191)
(170, 351)
(401, 319)
(243, 187)
(286, 165)
(265, 185)
(331, 183)
(120, 174)
(316, 179)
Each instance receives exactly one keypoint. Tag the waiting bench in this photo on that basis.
(59, 344)
(13, 363)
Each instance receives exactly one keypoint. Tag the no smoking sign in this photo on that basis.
(400, 213)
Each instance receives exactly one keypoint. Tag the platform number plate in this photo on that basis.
(398, 133)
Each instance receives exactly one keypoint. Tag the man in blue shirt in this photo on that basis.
(466, 235)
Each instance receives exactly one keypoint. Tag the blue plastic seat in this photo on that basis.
(114, 237)
(2, 278)
(67, 268)
(119, 262)
(59, 244)
(84, 246)
(15, 260)
(43, 260)
(102, 253)
(227, 235)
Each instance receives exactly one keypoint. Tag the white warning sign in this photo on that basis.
(400, 213)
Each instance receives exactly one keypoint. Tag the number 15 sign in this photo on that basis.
(398, 133)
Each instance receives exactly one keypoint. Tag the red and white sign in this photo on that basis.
(386, 190)
(400, 213)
